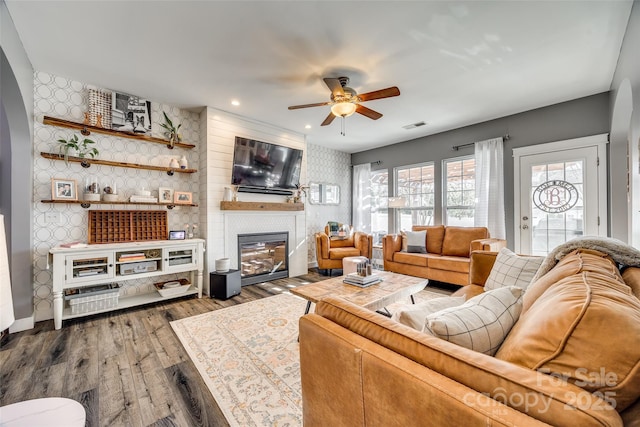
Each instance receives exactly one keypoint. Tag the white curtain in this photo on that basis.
(362, 197)
(490, 187)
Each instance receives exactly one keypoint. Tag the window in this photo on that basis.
(459, 185)
(416, 184)
(379, 205)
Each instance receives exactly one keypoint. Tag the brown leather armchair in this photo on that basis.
(330, 251)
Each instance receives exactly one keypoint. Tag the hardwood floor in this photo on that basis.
(127, 367)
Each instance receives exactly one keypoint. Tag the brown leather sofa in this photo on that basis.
(331, 251)
(448, 249)
(359, 368)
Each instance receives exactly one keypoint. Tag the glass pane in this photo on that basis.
(557, 209)
(460, 217)
(454, 198)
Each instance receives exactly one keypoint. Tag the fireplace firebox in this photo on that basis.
(263, 257)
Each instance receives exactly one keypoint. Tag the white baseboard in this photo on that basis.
(312, 264)
(23, 324)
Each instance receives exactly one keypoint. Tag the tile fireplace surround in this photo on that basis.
(243, 222)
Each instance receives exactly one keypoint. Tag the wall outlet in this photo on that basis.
(52, 218)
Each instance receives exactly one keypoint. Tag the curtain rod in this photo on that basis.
(456, 147)
(376, 163)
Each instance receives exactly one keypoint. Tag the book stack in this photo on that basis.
(362, 281)
(132, 257)
(73, 245)
(143, 199)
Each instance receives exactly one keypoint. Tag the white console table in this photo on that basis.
(106, 263)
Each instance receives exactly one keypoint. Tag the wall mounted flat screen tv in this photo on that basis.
(262, 165)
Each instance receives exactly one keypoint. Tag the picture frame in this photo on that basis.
(182, 197)
(165, 195)
(130, 113)
(64, 189)
(177, 234)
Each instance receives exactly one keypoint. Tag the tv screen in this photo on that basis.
(265, 165)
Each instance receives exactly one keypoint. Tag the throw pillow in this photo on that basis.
(511, 269)
(416, 241)
(481, 323)
(414, 315)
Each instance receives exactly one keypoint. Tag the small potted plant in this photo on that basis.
(171, 131)
(83, 148)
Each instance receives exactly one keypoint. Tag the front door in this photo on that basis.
(561, 196)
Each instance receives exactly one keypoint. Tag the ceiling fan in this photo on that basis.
(345, 101)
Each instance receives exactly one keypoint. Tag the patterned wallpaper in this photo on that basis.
(333, 167)
(59, 223)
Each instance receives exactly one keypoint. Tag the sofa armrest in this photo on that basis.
(391, 243)
(489, 244)
(480, 267)
(322, 245)
(363, 242)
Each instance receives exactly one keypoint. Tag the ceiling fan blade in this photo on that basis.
(334, 86)
(328, 120)
(318, 104)
(368, 112)
(377, 94)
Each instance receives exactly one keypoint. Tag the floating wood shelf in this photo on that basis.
(87, 203)
(89, 162)
(260, 206)
(87, 129)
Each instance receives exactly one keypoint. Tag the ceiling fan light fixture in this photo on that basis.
(343, 109)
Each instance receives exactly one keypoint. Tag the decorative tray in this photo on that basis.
(172, 288)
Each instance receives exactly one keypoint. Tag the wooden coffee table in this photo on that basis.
(393, 287)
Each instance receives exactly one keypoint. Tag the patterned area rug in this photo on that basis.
(248, 357)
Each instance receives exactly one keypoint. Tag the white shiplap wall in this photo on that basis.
(221, 129)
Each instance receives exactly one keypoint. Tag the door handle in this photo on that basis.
(524, 227)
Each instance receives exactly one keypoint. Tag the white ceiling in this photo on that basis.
(456, 63)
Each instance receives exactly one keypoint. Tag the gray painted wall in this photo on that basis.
(572, 119)
(626, 138)
(16, 77)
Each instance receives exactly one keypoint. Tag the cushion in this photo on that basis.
(435, 234)
(411, 259)
(416, 241)
(449, 263)
(585, 330)
(481, 323)
(457, 240)
(512, 270)
(414, 315)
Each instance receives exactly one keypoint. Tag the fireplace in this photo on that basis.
(263, 257)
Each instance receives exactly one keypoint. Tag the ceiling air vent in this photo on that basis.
(414, 125)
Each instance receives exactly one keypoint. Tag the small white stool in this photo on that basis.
(50, 411)
(349, 263)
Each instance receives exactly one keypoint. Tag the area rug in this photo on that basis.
(248, 356)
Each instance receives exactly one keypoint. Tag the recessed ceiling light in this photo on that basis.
(235, 102)
(307, 126)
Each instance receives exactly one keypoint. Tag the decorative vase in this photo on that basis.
(228, 194)
(183, 162)
(91, 189)
(222, 265)
(174, 164)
